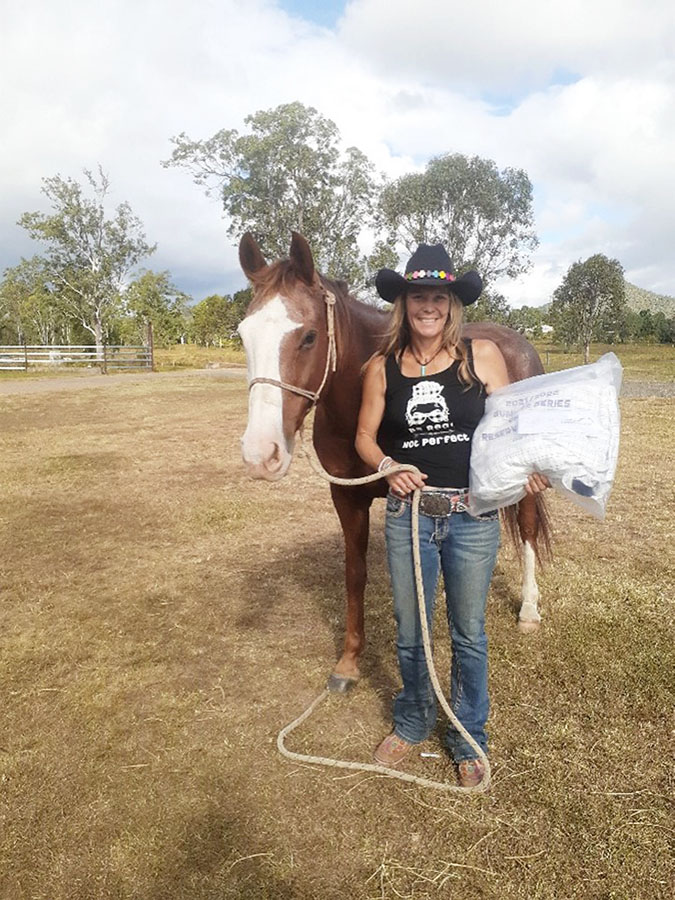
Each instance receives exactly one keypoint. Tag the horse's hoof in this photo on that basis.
(525, 627)
(340, 684)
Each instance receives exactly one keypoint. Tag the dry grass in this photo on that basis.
(163, 617)
(191, 356)
(642, 362)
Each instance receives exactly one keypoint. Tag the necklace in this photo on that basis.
(423, 365)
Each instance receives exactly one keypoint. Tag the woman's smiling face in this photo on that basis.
(427, 310)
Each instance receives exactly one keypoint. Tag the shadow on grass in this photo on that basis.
(204, 861)
(315, 575)
(505, 592)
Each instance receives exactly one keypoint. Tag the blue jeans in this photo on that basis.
(465, 549)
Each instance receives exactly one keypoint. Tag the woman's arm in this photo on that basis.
(370, 419)
(489, 365)
(491, 369)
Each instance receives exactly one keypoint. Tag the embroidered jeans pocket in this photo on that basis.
(395, 506)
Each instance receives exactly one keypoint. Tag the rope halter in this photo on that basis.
(331, 357)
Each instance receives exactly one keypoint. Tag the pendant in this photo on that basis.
(424, 370)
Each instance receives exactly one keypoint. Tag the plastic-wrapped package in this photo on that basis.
(564, 425)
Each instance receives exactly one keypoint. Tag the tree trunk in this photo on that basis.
(587, 352)
(98, 337)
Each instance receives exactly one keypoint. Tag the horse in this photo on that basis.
(306, 340)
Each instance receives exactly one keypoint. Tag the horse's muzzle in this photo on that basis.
(269, 462)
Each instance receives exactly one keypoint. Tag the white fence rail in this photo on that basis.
(19, 357)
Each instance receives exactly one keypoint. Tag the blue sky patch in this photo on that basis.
(504, 103)
(564, 76)
(320, 12)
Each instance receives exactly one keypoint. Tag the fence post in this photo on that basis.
(547, 354)
(25, 355)
(151, 347)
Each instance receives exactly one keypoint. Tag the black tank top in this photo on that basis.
(429, 421)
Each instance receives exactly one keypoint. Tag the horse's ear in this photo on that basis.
(301, 257)
(250, 257)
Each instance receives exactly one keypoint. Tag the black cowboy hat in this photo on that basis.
(429, 265)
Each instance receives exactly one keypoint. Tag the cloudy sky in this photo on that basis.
(581, 94)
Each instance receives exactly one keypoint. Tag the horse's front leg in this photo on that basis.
(354, 513)
(529, 618)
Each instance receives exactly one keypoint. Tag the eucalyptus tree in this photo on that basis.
(152, 298)
(490, 307)
(481, 214)
(527, 320)
(89, 253)
(215, 319)
(286, 174)
(30, 308)
(590, 303)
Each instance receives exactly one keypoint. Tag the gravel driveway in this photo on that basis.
(76, 381)
(642, 389)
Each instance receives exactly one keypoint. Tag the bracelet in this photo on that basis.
(385, 462)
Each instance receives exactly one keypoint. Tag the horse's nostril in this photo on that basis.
(274, 459)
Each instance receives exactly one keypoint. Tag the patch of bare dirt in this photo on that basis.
(79, 381)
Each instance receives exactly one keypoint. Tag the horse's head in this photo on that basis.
(286, 342)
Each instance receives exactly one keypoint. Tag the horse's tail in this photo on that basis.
(535, 526)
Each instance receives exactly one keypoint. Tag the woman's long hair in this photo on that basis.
(397, 336)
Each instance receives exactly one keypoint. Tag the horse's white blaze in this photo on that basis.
(529, 614)
(264, 446)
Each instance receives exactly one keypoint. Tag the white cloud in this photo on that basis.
(507, 46)
(112, 82)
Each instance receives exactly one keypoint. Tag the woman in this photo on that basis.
(423, 397)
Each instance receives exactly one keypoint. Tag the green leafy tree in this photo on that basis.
(590, 303)
(490, 307)
(89, 254)
(644, 328)
(527, 320)
(631, 325)
(381, 256)
(482, 215)
(152, 298)
(215, 319)
(29, 307)
(664, 329)
(288, 174)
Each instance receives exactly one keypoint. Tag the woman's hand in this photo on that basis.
(536, 483)
(402, 483)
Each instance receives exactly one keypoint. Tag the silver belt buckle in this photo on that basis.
(435, 505)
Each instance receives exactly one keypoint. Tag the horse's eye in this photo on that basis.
(308, 339)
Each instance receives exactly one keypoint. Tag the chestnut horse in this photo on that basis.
(293, 363)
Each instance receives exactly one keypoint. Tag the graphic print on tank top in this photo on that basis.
(427, 415)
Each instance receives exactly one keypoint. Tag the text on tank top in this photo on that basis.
(429, 421)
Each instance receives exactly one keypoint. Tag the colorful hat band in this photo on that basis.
(427, 273)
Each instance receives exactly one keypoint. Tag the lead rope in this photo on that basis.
(372, 767)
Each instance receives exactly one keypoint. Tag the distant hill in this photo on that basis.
(638, 298)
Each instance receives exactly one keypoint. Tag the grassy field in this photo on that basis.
(163, 617)
(191, 356)
(642, 362)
